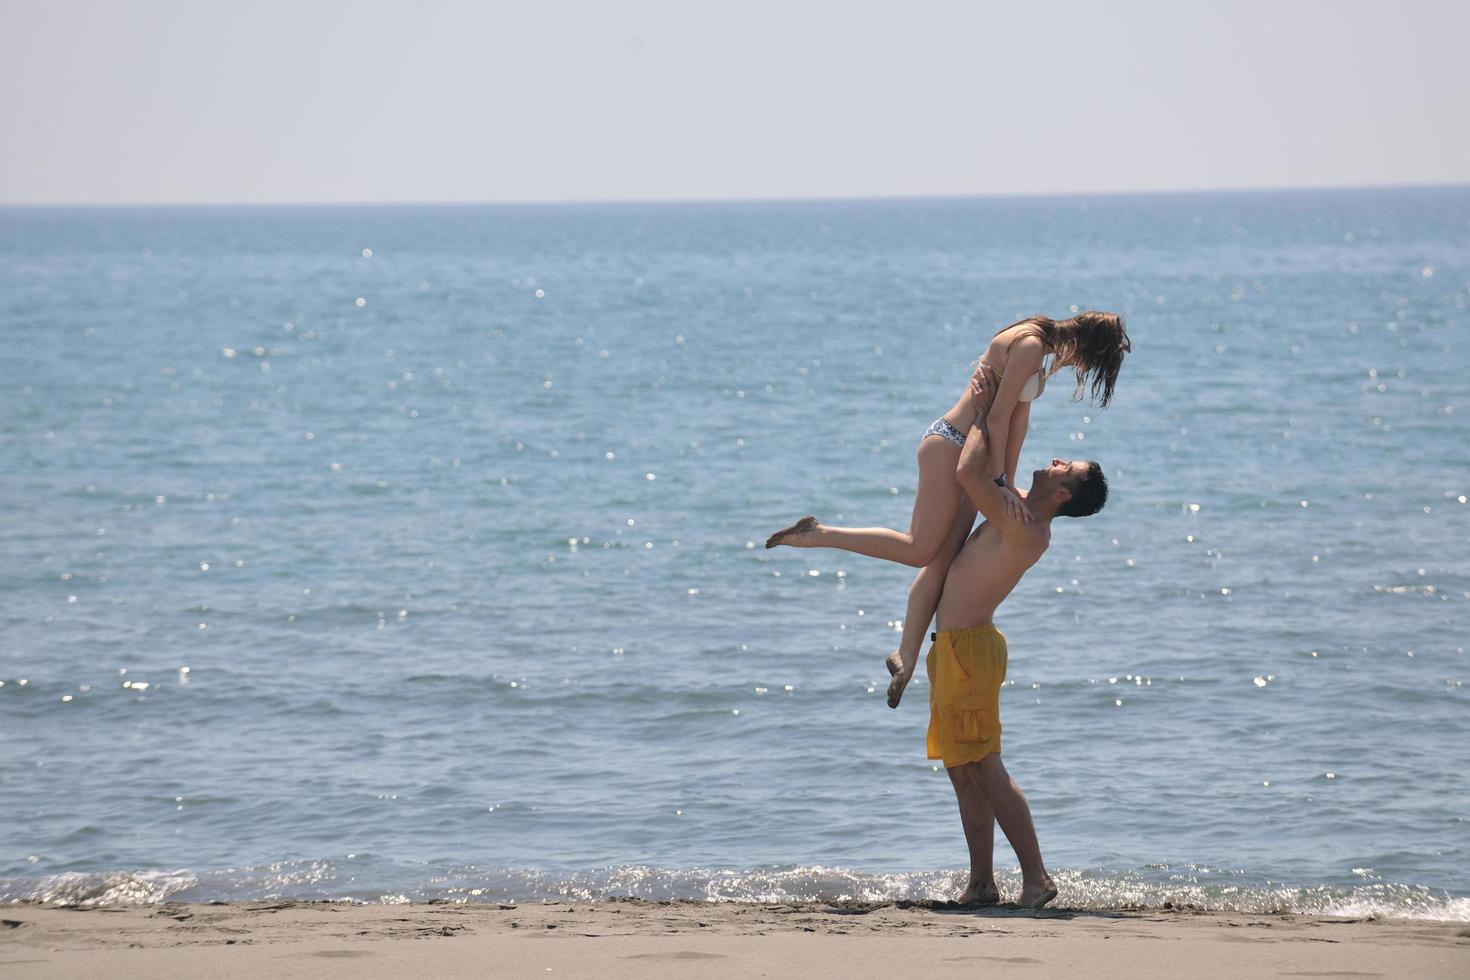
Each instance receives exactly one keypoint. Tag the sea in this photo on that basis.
(400, 553)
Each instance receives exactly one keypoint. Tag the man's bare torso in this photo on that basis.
(986, 570)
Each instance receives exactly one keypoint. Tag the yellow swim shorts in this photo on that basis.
(966, 669)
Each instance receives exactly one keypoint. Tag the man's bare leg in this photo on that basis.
(923, 600)
(1014, 816)
(979, 823)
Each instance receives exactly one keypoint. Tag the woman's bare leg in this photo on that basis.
(935, 504)
(923, 600)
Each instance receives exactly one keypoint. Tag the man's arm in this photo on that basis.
(973, 474)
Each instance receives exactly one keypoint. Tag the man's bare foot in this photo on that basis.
(800, 529)
(902, 674)
(1035, 896)
(980, 893)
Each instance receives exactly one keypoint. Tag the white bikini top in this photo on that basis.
(1031, 388)
(1034, 385)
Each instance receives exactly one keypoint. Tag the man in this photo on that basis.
(967, 662)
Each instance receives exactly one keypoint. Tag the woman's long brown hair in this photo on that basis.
(1093, 341)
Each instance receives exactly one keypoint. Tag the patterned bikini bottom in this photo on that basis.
(941, 428)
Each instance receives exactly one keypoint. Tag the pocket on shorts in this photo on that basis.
(972, 720)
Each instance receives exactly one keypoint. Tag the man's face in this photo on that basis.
(1061, 473)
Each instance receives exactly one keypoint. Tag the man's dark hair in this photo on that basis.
(1089, 494)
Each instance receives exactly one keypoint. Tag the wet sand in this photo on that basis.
(635, 938)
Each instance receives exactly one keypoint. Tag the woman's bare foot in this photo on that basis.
(902, 674)
(980, 893)
(1035, 896)
(800, 529)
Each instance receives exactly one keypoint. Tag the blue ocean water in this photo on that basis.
(411, 552)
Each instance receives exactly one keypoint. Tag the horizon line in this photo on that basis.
(840, 199)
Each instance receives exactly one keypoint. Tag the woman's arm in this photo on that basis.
(1025, 360)
(1020, 422)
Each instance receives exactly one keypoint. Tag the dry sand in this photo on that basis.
(635, 938)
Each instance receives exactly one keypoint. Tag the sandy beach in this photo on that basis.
(635, 938)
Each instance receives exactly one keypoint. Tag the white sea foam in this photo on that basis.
(382, 884)
(105, 888)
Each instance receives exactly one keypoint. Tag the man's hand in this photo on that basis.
(983, 385)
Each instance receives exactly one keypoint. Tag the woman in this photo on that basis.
(1092, 344)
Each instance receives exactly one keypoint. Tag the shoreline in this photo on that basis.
(646, 938)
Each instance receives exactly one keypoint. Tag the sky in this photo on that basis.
(199, 101)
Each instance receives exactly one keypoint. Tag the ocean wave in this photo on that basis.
(101, 888)
(369, 881)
